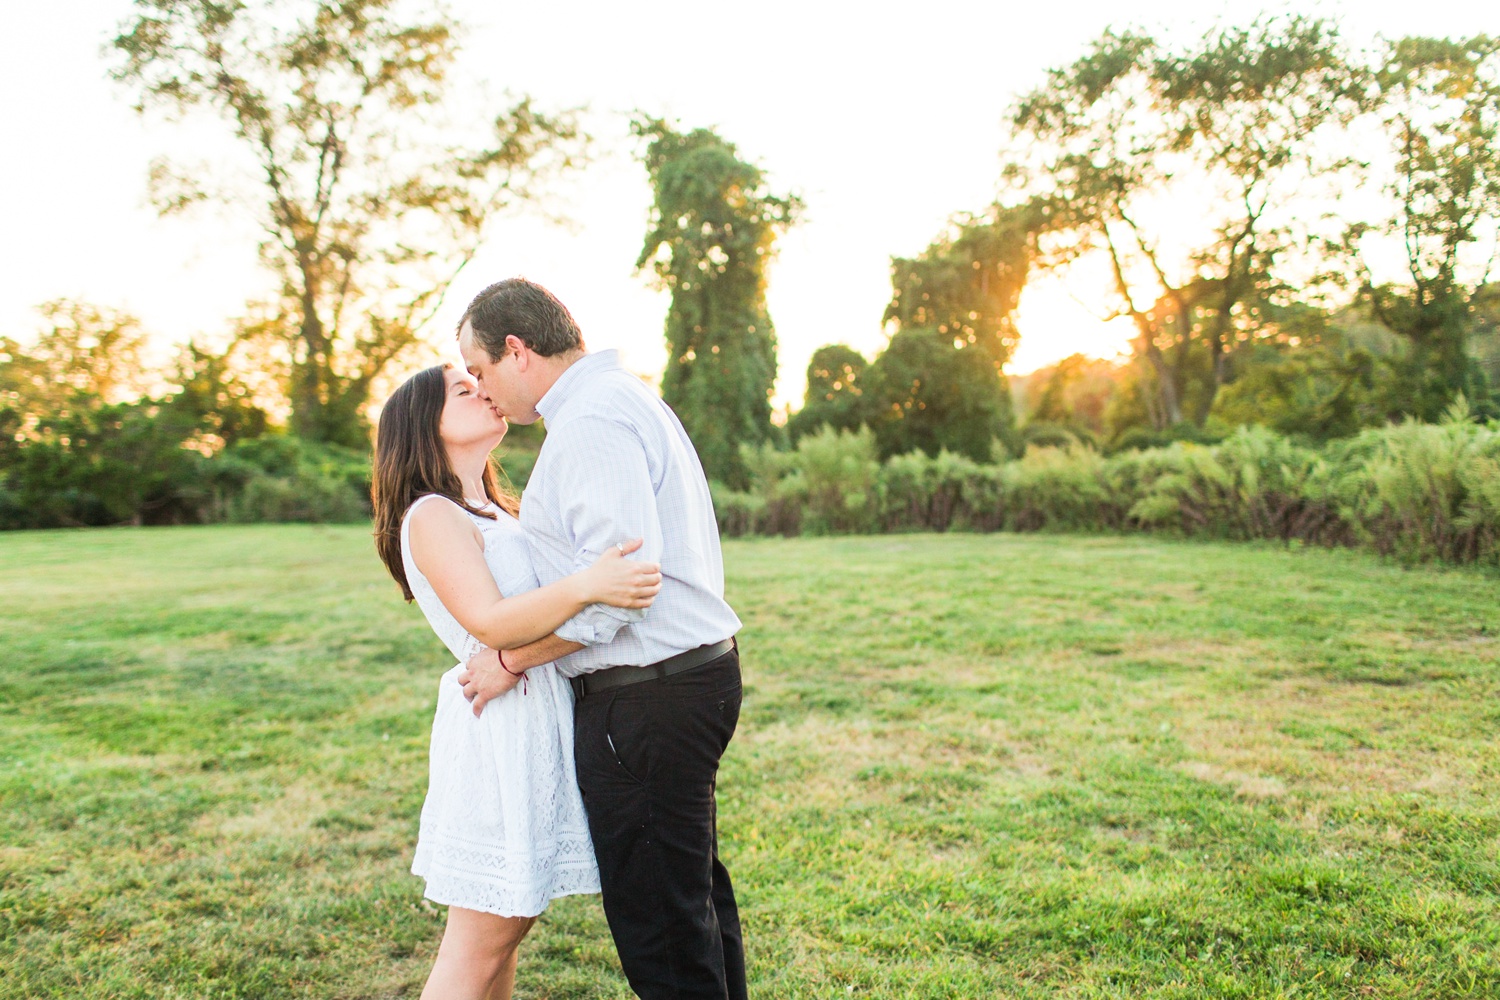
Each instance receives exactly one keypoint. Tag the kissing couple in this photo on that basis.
(577, 741)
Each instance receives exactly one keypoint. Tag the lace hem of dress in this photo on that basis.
(482, 891)
(501, 879)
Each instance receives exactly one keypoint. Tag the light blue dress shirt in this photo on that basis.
(617, 464)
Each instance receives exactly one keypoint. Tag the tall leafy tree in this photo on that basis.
(967, 284)
(939, 382)
(1133, 125)
(1440, 105)
(368, 206)
(713, 231)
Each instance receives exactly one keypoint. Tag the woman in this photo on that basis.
(503, 830)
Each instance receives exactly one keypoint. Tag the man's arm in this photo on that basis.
(544, 650)
(600, 471)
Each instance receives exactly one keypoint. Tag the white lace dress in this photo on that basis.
(503, 828)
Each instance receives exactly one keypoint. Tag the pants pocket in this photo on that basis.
(626, 743)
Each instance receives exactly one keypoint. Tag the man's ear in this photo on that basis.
(515, 345)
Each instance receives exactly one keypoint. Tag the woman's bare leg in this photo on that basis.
(477, 957)
(505, 981)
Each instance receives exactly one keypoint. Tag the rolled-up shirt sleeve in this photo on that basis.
(609, 498)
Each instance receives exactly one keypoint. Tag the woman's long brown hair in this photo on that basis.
(410, 461)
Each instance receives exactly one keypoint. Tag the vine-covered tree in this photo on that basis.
(713, 232)
(1239, 116)
(368, 205)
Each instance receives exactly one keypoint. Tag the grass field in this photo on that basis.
(968, 766)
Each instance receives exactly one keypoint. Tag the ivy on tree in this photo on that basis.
(713, 232)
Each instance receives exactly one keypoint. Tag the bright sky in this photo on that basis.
(887, 123)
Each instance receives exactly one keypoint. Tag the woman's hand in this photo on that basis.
(621, 582)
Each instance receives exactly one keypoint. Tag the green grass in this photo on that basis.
(968, 766)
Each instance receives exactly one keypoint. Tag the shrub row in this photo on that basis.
(129, 471)
(1414, 491)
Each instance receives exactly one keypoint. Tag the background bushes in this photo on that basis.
(130, 465)
(1413, 491)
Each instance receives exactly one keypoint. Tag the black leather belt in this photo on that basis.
(613, 677)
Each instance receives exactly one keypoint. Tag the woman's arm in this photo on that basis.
(485, 677)
(449, 551)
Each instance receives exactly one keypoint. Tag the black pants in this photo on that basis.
(648, 756)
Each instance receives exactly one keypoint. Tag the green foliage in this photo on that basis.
(938, 384)
(211, 388)
(828, 484)
(1255, 484)
(1427, 490)
(839, 392)
(713, 231)
(1057, 489)
(1414, 491)
(79, 445)
(281, 478)
(1320, 392)
(1439, 101)
(110, 463)
(967, 284)
(939, 492)
(85, 355)
(935, 395)
(364, 195)
(839, 480)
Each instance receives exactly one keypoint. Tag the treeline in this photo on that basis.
(91, 435)
(1209, 181)
(1266, 312)
(1415, 491)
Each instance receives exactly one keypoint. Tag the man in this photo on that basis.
(657, 690)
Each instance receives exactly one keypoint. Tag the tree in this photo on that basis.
(212, 391)
(86, 352)
(939, 382)
(81, 439)
(1316, 381)
(713, 231)
(1440, 104)
(836, 393)
(1242, 113)
(935, 396)
(361, 197)
(967, 284)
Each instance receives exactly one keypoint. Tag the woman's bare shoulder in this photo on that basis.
(440, 518)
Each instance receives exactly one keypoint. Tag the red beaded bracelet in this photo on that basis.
(500, 655)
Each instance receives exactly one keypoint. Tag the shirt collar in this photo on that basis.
(572, 378)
